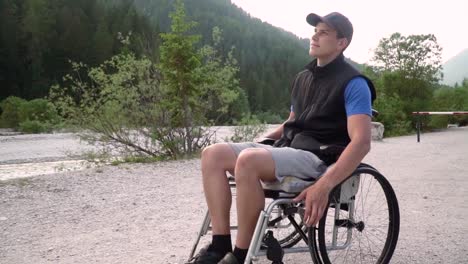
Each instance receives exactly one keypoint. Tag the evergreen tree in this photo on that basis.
(179, 61)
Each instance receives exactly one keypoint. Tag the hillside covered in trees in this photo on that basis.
(39, 38)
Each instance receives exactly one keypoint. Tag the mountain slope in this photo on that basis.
(456, 69)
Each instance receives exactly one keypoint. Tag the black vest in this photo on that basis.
(319, 106)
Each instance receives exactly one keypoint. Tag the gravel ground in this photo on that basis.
(150, 213)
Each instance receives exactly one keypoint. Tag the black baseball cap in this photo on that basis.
(337, 21)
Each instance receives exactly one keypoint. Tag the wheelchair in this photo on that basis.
(360, 225)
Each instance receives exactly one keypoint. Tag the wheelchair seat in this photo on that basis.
(291, 185)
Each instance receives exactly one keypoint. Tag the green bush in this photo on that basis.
(270, 118)
(38, 109)
(392, 115)
(35, 126)
(449, 99)
(247, 129)
(35, 116)
(11, 106)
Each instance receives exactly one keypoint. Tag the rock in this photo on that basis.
(377, 131)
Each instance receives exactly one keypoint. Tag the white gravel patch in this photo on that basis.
(30, 169)
(41, 147)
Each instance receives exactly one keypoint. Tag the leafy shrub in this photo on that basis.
(449, 99)
(11, 111)
(35, 116)
(35, 126)
(392, 115)
(270, 118)
(247, 129)
(40, 110)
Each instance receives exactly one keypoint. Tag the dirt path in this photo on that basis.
(150, 213)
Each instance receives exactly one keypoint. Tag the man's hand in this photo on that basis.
(316, 201)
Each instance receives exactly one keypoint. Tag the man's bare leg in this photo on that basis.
(252, 166)
(215, 161)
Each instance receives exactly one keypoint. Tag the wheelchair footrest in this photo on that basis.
(274, 252)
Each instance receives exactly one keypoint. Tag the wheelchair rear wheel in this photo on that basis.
(362, 228)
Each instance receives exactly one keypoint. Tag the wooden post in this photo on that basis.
(418, 126)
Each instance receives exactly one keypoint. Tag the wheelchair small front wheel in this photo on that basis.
(364, 227)
(283, 230)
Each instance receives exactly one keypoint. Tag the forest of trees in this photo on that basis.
(43, 41)
(39, 38)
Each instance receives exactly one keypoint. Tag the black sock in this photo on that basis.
(240, 254)
(221, 244)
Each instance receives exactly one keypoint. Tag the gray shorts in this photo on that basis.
(288, 161)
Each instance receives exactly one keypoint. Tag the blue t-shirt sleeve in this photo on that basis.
(358, 97)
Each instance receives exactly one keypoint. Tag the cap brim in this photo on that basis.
(314, 19)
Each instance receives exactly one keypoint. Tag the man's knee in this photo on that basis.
(249, 158)
(215, 150)
(254, 164)
(219, 154)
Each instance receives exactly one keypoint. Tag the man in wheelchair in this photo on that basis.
(329, 122)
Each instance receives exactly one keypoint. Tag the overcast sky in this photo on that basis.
(372, 20)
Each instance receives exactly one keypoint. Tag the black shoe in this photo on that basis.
(206, 256)
(229, 259)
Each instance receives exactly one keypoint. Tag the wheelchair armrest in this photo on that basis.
(267, 141)
(330, 153)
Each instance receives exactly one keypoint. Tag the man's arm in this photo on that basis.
(276, 134)
(316, 196)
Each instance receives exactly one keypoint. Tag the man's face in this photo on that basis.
(324, 42)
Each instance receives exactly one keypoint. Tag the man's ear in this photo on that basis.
(343, 43)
